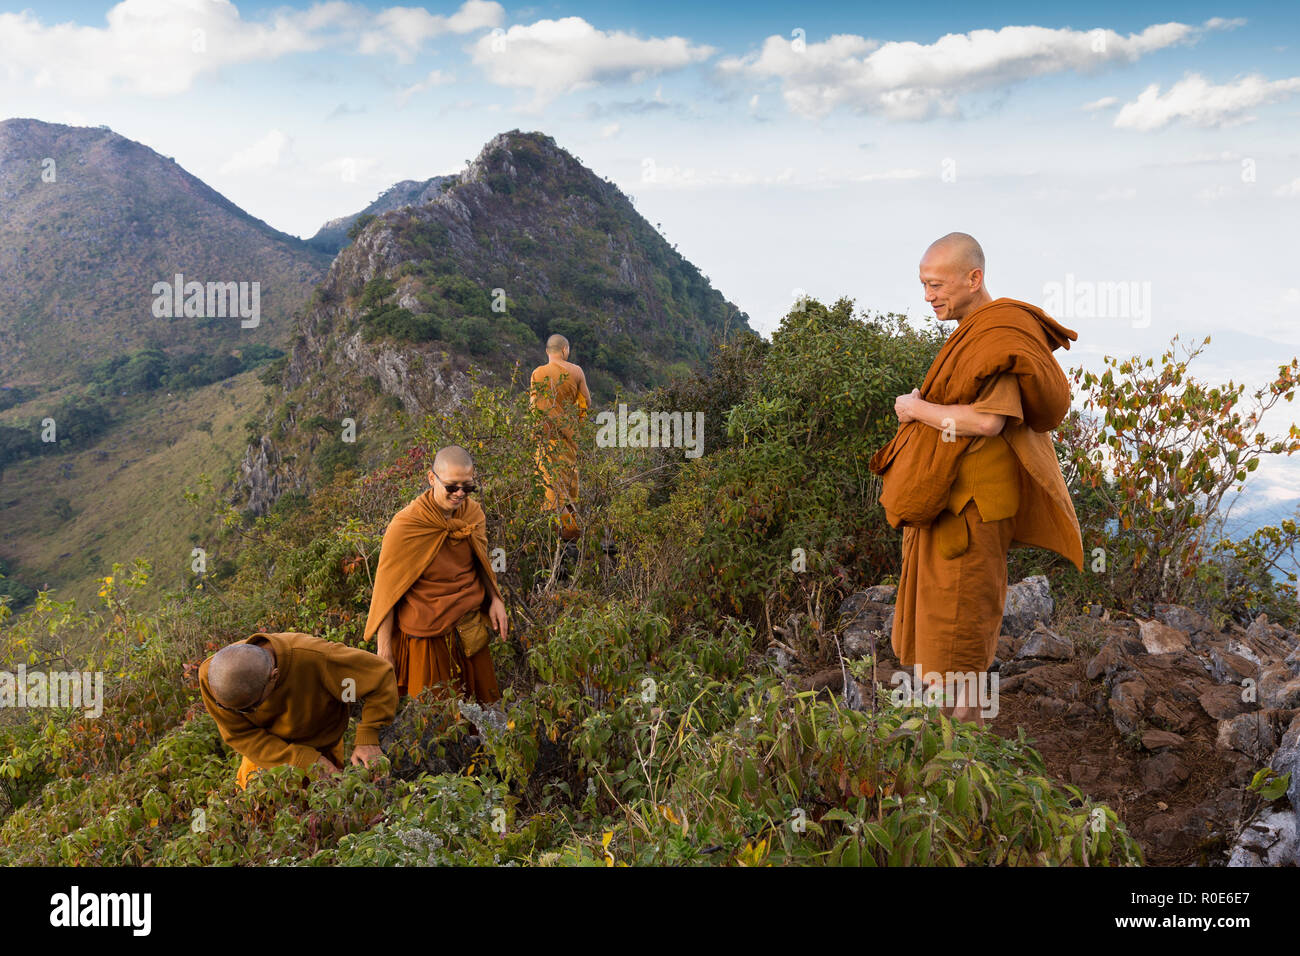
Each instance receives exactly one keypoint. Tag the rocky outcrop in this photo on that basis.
(525, 226)
(1171, 713)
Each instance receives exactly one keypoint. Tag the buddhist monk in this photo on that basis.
(559, 388)
(433, 585)
(283, 699)
(972, 471)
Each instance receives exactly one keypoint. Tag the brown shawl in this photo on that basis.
(413, 538)
(917, 466)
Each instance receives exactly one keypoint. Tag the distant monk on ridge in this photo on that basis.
(554, 388)
(283, 699)
(972, 470)
(433, 586)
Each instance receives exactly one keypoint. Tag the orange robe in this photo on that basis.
(554, 387)
(306, 713)
(432, 570)
(981, 495)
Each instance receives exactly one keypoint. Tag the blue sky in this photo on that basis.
(816, 147)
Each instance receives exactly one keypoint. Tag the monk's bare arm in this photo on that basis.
(962, 419)
(384, 637)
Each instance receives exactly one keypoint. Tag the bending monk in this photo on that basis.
(283, 699)
(972, 471)
(432, 585)
(557, 388)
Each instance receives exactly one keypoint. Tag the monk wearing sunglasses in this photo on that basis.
(436, 603)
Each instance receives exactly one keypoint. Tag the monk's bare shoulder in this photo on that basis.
(575, 372)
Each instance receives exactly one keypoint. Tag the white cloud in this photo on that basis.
(349, 169)
(435, 78)
(1290, 190)
(909, 80)
(262, 154)
(553, 57)
(402, 31)
(1101, 104)
(1202, 103)
(159, 47)
(609, 130)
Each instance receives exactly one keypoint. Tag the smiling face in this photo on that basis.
(953, 285)
(450, 475)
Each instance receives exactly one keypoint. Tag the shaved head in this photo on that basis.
(452, 458)
(557, 345)
(952, 274)
(959, 249)
(238, 674)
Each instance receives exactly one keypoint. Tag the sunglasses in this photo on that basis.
(468, 487)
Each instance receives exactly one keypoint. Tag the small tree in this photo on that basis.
(1161, 459)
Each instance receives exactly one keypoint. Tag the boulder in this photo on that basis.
(858, 640)
(1160, 638)
(1229, 668)
(881, 593)
(1161, 739)
(1127, 702)
(1286, 759)
(1169, 716)
(1250, 734)
(1278, 690)
(1028, 604)
(1268, 840)
(1105, 662)
(1047, 644)
(852, 605)
(1223, 701)
(1163, 771)
(1184, 619)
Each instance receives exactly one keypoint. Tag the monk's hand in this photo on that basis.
(323, 761)
(905, 406)
(364, 753)
(497, 615)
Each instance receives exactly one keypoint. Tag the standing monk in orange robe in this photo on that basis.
(972, 471)
(434, 574)
(556, 388)
(283, 699)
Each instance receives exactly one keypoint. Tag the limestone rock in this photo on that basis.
(1160, 638)
(1268, 840)
(1222, 702)
(1127, 702)
(1250, 734)
(1028, 604)
(1047, 644)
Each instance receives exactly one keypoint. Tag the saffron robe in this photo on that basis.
(982, 495)
(306, 713)
(408, 559)
(554, 387)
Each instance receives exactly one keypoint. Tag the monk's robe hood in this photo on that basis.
(917, 466)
